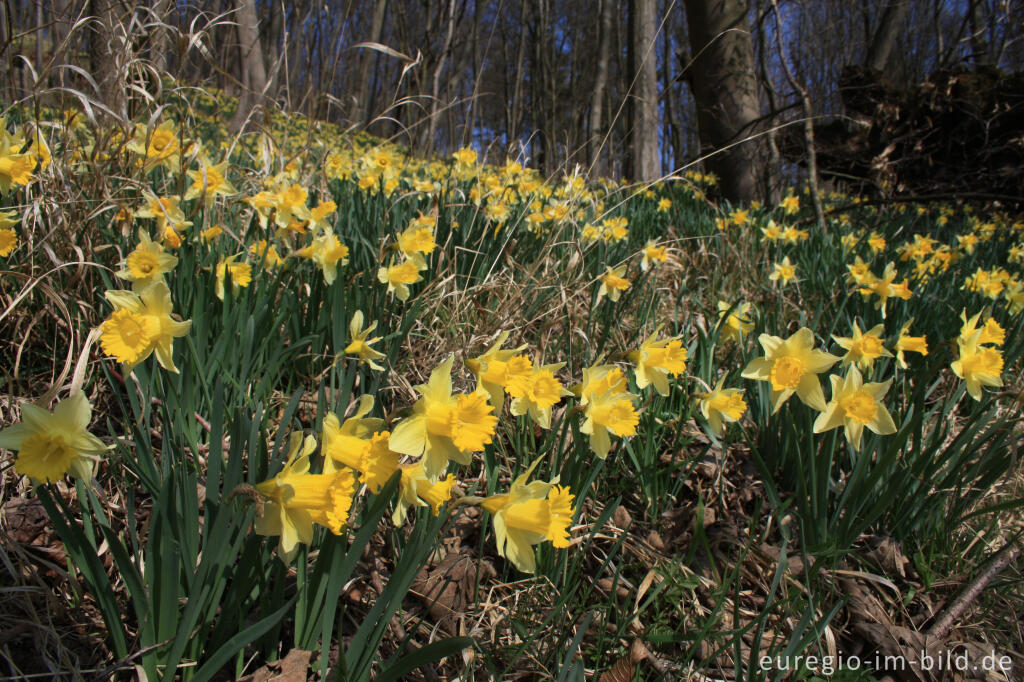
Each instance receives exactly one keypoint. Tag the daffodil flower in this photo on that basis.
(296, 499)
(146, 264)
(735, 320)
(417, 490)
(722, 405)
(398, 277)
(783, 272)
(909, 344)
(496, 367)
(444, 426)
(241, 275)
(856, 405)
(529, 514)
(51, 444)
(613, 283)
(652, 253)
(791, 366)
(657, 360)
(978, 365)
(537, 393)
(210, 181)
(360, 344)
(863, 348)
(142, 324)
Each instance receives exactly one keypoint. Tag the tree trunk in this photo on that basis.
(604, 39)
(364, 90)
(254, 72)
(979, 33)
(427, 140)
(725, 90)
(104, 46)
(643, 147)
(885, 35)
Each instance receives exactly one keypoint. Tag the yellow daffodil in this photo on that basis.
(876, 242)
(652, 254)
(792, 235)
(863, 347)
(146, 264)
(978, 365)
(608, 407)
(398, 277)
(444, 426)
(529, 514)
(211, 233)
(496, 367)
(241, 275)
(656, 360)
(415, 243)
(318, 216)
(40, 150)
(909, 344)
(990, 332)
(736, 321)
(721, 406)
(8, 237)
(791, 204)
(536, 393)
(361, 445)
(170, 220)
(328, 253)
(783, 272)
(854, 406)
(291, 205)
(465, 156)
(613, 283)
(159, 147)
(771, 232)
(417, 490)
(296, 499)
(664, 204)
(51, 444)
(359, 346)
(791, 366)
(885, 287)
(210, 181)
(140, 325)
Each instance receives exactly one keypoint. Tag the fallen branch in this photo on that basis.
(944, 622)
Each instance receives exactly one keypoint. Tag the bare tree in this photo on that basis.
(885, 35)
(645, 162)
(595, 142)
(724, 86)
(254, 73)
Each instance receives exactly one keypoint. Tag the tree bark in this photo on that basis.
(254, 72)
(643, 148)
(604, 39)
(104, 46)
(725, 90)
(364, 90)
(885, 35)
(979, 33)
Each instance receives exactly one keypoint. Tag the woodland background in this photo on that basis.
(626, 88)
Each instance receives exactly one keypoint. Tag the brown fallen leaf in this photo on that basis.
(447, 587)
(292, 668)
